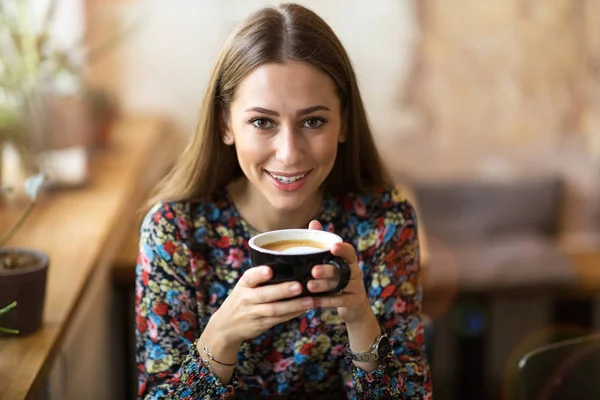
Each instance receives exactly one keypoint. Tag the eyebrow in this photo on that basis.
(303, 111)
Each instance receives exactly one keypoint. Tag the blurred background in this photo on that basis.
(488, 113)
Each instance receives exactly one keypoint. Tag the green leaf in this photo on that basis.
(5, 310)
(8, 307)
(32, 187)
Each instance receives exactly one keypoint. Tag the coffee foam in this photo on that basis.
(299, 245)
(298, 250)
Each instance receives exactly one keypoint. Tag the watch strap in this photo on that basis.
(367, 356)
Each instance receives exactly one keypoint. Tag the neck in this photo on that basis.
(261, 216)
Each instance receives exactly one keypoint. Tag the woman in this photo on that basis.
(282, 142)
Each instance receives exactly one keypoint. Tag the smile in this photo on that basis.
(288, 179)
(289, 182)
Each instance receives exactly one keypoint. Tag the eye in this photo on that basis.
(261, 123)
(313, 122)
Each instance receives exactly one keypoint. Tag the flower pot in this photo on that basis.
(23, 279)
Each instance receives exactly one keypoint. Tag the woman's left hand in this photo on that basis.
(352, 303)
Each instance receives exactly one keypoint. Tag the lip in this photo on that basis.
(289, 187)
(287, 174)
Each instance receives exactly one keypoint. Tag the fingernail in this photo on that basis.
(266, 271)
(295, 288)
(307, 302)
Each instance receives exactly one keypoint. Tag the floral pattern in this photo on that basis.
(192, 255)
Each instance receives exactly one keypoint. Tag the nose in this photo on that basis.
(289, 148)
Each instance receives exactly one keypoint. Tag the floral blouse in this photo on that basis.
(193, 253)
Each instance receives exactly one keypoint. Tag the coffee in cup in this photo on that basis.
(292, 254)
(294, 245)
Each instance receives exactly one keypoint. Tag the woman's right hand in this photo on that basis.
(249, 310)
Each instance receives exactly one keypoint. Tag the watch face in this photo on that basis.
(384, 348)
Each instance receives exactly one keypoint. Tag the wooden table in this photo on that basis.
(517, 317)
(584, 252)
(82, 230)
(585, 275)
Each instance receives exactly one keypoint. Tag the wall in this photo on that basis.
(164, 65)
(502, 89)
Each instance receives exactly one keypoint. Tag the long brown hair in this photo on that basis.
(274, 35)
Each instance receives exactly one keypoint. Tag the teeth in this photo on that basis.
(288, 179)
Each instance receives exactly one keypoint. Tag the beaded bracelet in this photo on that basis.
(211, 358)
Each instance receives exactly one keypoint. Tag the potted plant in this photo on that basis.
(22, 275)
(46, 107)
(34, 75)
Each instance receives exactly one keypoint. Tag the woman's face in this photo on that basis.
(285, 122)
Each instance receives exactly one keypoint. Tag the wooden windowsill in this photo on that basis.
(82, 231)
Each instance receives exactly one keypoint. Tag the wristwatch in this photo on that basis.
(381, 348)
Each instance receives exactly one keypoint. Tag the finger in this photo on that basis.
(345, 251)
(325, 271)
(276, 292)
(272, 321)
(315, 225)
(341, 300)
(322, 285)
(277, 309)
(255, 276)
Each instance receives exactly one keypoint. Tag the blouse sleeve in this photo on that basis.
(167, 320)
(391, 267)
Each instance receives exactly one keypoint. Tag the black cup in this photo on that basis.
(296, 263)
